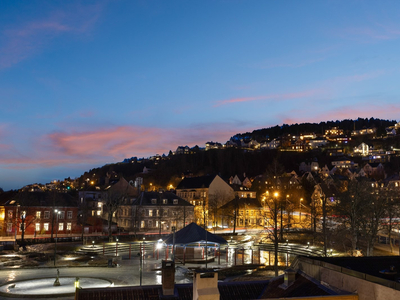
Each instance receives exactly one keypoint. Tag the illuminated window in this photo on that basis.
(37, 226)
(98, 213)
(46, 226)
(142, 224)
(150, 212)
(164, 201)
(60, 226)
(38, 213)
(99, 204)
(69, 226)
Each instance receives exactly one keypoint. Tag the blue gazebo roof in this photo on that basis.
(193, 233)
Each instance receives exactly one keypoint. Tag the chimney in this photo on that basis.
(168, 277)
(289, 278)
(205, 285)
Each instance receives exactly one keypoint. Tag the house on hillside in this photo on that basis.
(204, 191)
(246, 212)
(160, 211)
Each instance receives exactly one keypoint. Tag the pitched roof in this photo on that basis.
(371, 265)
(251, 203)
(32, 199)
(145, 198)
(193, 233)
(303, 286)
(196, 182)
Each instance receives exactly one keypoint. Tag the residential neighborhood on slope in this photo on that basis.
(308, 195)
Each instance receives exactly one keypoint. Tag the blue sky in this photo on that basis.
(87, 83)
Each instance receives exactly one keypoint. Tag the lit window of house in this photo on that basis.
(47, 215)
(46, 226)
(142, 224)
(60, 226)
(69, 226)
(38, 213)
(156, 223)
(37, 226)
(150, 212)
(164, 201)
(98, 213)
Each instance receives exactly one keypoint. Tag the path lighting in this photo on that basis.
(77, 283)
(287, 242)
(159, 245)
(92, 244)
(231, 238)
(308, 245)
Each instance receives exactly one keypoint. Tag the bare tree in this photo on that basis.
(271, 220)
(391, 214)
(26, 214)
(113, 200)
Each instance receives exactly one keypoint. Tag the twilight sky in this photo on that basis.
(87, 83)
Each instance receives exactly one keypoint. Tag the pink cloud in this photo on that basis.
(110, 144)
(24, 41)
(275, 97)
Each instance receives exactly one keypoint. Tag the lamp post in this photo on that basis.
(55, 244)
(301, 199)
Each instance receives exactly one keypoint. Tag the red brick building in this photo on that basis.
(39, 213)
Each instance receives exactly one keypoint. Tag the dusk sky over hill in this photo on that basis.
(87, 83)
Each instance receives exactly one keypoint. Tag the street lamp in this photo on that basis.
(301, 199)
(55, 245)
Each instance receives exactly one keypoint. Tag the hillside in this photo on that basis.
(166, 170)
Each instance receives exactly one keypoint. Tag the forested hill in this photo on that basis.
(264, 134)
(166, 170)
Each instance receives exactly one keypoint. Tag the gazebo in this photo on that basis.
(192, 242)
